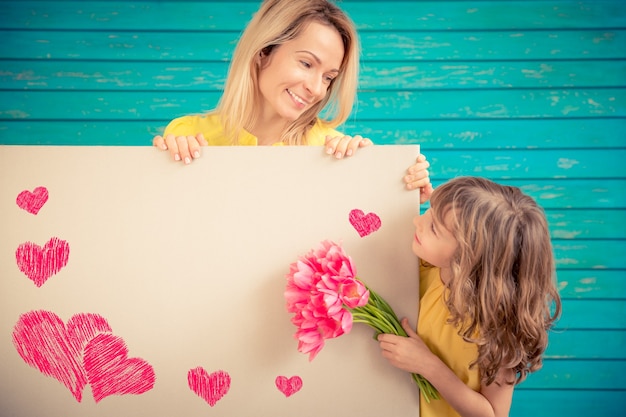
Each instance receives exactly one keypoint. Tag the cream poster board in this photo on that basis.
(134, 286)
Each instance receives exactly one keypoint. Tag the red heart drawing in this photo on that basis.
(56, 350)
(210, 387)
(364, 224)
(110, 372)
(39, 263)
(288, 386)
(33, 201)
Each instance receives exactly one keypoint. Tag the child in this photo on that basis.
(487, 297)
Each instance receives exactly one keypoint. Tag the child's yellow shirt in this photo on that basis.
(443, 339)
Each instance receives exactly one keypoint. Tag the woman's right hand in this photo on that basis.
(182, 148)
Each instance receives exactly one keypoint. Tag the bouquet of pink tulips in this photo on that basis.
(326, 297)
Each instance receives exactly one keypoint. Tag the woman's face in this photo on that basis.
(297, 74)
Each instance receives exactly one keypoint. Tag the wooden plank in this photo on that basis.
(206, 76)
(589, 254)
(474, 135)
(587, 224)
(576, 194)
(503, 134)
(608, 314)
(535, 163)
(410, 105)
(476, 45)
(384, 46)
(572, 403)
(587, 344)
(578, 374)
(368, 15)
(592, 284)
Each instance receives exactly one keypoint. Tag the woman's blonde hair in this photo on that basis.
(276, 22)
(502, 293)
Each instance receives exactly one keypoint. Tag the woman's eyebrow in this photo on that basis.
(317, 59)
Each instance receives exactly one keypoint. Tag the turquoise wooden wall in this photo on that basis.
(529, 93)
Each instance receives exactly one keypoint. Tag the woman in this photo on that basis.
(296, 60)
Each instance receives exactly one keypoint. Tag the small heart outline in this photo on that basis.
(288, 386)
(364, 224)
(32, 201)
(40, 263)
(210, 387)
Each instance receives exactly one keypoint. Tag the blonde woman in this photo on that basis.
(292, 81)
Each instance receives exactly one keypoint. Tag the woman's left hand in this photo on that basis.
(341, 146)
(417, 178)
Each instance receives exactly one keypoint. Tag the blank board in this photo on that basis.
(141, 287)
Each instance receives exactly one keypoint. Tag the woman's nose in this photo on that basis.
(315, 86)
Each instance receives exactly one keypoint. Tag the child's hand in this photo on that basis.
(182, 148)
(418, 178)
(407, 353)
(341, 146)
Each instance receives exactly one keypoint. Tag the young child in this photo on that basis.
(487, 297)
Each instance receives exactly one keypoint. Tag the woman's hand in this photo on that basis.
(341, 146)
(182, 148)
(417, 178)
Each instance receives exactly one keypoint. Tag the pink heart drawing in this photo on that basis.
(364, 223)
(33, 201)
(39, 263)
(44, 342)
(288, 386)
(110, 371)
(210, 387)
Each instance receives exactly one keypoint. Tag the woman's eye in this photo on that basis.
(329, 79)
(305, 64)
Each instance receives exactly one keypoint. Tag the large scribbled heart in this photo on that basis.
(47, 344)
(210, 387)
(364, 223)
(110, 371)
(39, 263)
(288, 386)
(33, 201)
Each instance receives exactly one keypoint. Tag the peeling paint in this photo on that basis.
(566, 163)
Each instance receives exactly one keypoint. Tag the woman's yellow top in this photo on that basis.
(213, 130)
(443, 339)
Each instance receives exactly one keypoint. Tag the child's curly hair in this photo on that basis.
(503, 293)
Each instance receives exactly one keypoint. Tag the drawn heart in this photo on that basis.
(56, 350)
(39, 263)
(210, 387)
(288, 386)
(33, 201)
(364, 223)
(110, 371)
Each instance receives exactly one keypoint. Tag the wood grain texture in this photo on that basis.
(528, 93)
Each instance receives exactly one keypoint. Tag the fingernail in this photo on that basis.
(349, 152)
(329, 151)
(164, 146)
(338, 155)
(196, 154)
(187, 160)
(177, 157)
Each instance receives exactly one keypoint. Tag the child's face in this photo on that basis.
(433, 241)
(297, 74)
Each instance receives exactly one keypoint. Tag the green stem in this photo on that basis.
(379, 315)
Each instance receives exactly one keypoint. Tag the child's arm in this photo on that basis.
(412, 355)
